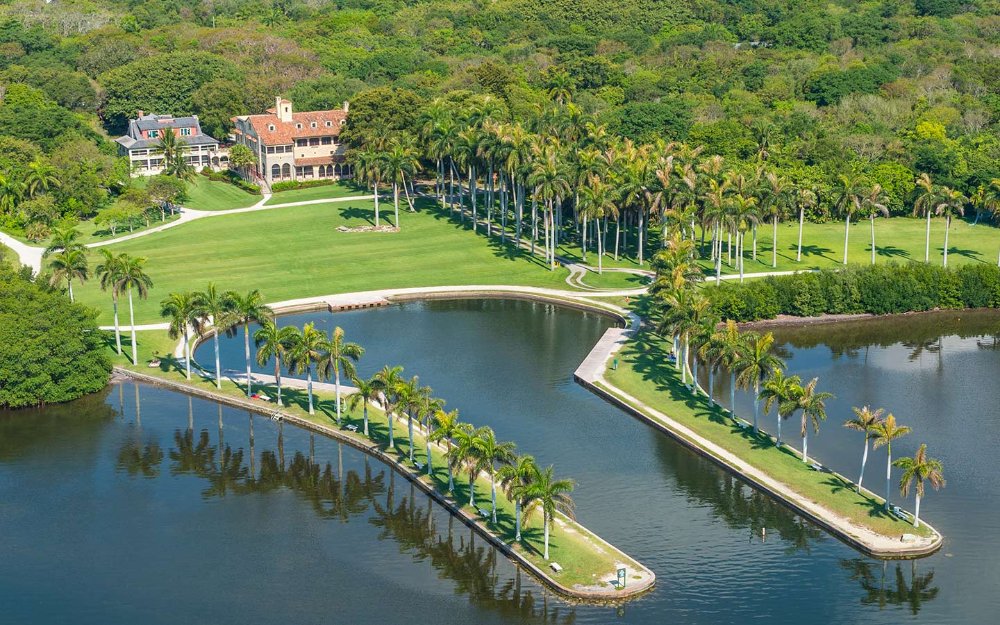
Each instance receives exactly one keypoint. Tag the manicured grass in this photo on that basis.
(92, 233)
(897, 239)
(297, 252)
(338, 189)
(615, 280)
(584, 561)
(644, 373)
(210, 195)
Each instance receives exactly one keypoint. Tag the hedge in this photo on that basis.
(232, 178)
(875, 289)
(289, 185)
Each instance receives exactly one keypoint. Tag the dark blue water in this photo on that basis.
(92, 533)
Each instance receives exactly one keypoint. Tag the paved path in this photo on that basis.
(29, 255)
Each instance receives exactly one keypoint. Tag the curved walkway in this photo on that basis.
(31, 255)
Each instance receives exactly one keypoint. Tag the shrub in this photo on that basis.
(879, 290)
(290, 185)
(232, 178)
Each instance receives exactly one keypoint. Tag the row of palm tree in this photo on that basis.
(696, 335)
(575, 173)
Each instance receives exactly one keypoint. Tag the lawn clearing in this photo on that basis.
(297, 252)
(211, 195)
(644, 373)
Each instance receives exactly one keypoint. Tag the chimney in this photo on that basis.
(347, 106)
(283, 109)
(141, 112)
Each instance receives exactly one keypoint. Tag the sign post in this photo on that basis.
(621, 578)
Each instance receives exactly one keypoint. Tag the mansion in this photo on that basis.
(142, 143)
(294, 145)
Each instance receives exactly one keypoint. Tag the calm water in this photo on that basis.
(127, 506)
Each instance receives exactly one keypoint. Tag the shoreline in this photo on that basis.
(791, 321)
(357, 441)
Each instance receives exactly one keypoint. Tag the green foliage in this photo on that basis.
(164, 83)
(232, 178)
(873, 289)
(50, 350)
(668, 119)
(830, 86)
(289, 185)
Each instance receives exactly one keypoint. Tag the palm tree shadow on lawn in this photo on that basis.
(967, 253)
(816, 250)
(889, 251)
(352, 213)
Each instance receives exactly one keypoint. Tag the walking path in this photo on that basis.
(31, 255)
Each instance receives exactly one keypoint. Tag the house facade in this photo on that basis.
(142, 143)
(294, 146)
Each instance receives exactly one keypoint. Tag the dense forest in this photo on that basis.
(884, 89)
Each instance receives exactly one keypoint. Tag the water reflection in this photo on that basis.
(733, 501)
(390, 503)
(883, 590)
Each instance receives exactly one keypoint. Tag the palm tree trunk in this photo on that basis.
(218, 365)
(739, 252)
(774, 243)
(336, 382)
(778, 442)
(927, 240)
(395, 201)
(246, 353)
(873, 238)
(618, 233)
(187, 351)
(277, 377)
(427, 450)
(375, 186)
(545, 521)
(309, 387)
(388, 418)
(409, 428)
(517, 520)
(847, 232)
(118, 334)
(131, 318)
(365, 411)
(583, 239)
(600, 248)
(493, 496)
(947, 229)
(639, 235)
(805, 445)
(732, 393)
(916, 512)
(802, 217)
(711, 385)
(451, 474)
(888, 474)
(69, 285)
(756, 403)
(534, 224)
(451, 187)
(864, 460)
(472, 194)
(472, 489)
(754, 234)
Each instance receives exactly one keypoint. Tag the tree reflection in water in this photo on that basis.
(332, 493)
(895, 592)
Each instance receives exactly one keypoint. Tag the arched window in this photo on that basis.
(275, 170)
(286, 170)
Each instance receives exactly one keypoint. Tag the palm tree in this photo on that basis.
(731, 347)
(213, 310)
(463, 454)
(108, 273)
(926, 202)
(174, 162)
(447, 426)
(69, 264)
(952, 202)
(182, 311)
(873, 203)
(597, 201)
(244, 310)
(387, 382)
(309, 348)
(40, 177)
(63, 239)
(488, 454)
(132, 276)
(367, 390)
(514, 476)
(849, 198)
(919, 468)
(369, 167)
(546, 492)
(550, 181)
(340, 355)
(812, 405)
(399, 161)
(804, 198)
(865, 420)
(754, 363)
(781, 390)
(778, 197)
(887, 431)
(274, 342)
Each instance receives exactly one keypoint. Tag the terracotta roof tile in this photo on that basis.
(286, 132)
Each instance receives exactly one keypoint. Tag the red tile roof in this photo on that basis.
(286, 132)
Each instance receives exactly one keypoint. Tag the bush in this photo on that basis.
(879, 290)
(50, 350)
(232, 178)
(290, 185)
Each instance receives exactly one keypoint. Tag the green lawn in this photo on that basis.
(210, 195)
(644, 373)
(583, 560)
(614, 280)
(338, 189)
(92, 233)
(297, 252)
(898, 239)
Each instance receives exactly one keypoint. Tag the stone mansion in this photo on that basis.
(293, 145)
(141, 143)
